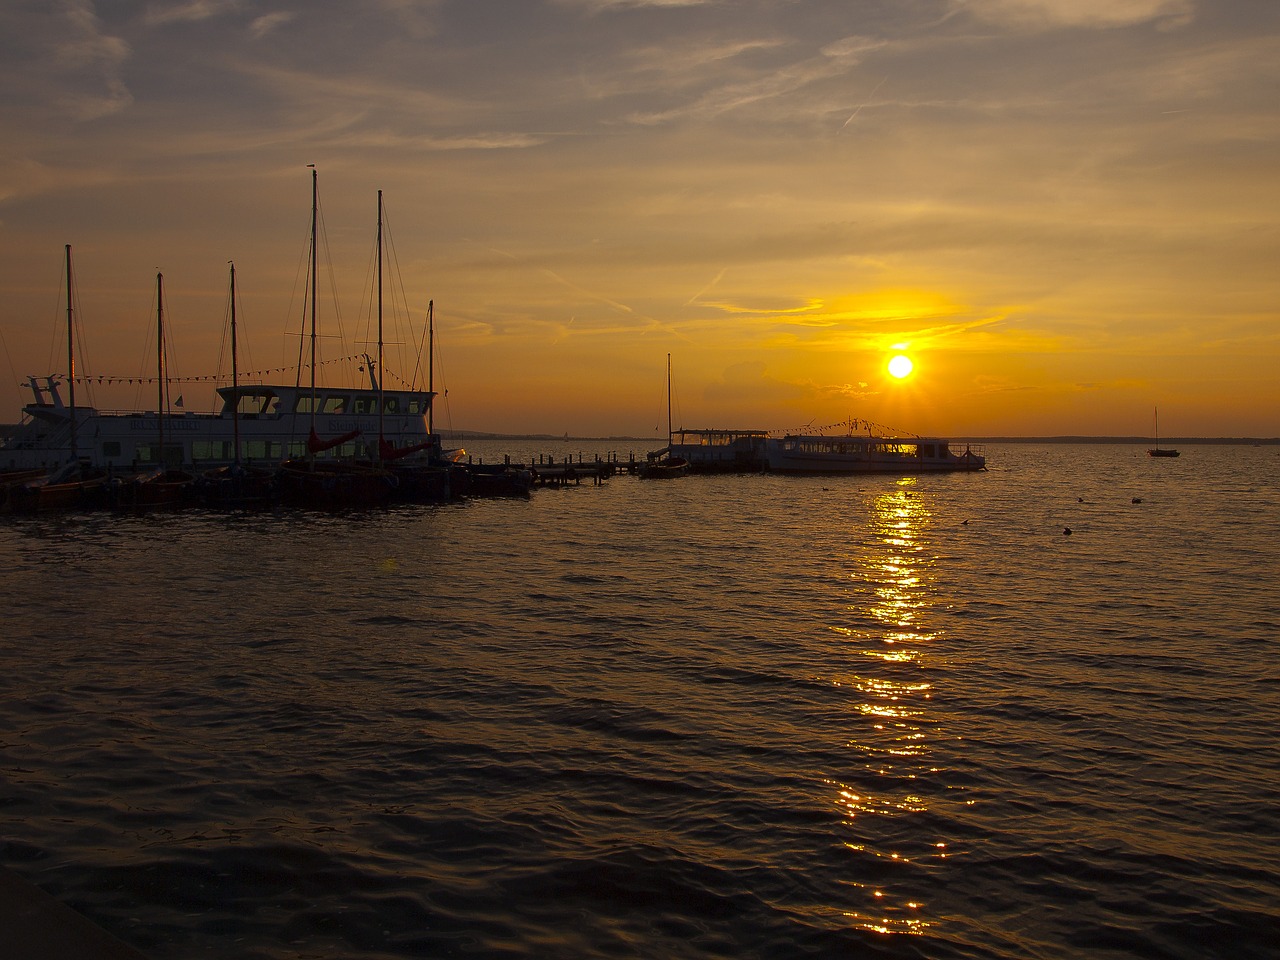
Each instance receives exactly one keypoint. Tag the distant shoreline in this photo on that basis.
(457, 436)
(462, 435)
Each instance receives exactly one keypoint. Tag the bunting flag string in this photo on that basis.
(210, 378)
(852, 424)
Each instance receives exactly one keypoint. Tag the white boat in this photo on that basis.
(871, 452)
(720, 451)
(274, 425)
(259, 423)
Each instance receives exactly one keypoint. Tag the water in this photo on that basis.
(711, 717)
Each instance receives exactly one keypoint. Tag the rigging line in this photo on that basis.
(9, 357)
(329, 272)
(59, 314)
(403, 302)
(147, 358)
(82, 351)
(392, 264)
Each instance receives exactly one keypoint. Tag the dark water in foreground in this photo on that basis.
(712, 717)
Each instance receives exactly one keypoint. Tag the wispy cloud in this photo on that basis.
(89, 63)
(192, 11)
(1080, 13)
(605, 6)
(833, 60)
(261, 26)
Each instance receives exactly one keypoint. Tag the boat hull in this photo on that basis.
(335, 486)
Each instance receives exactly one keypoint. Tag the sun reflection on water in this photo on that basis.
(891, 581)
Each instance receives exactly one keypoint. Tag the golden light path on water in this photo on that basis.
(893, 571)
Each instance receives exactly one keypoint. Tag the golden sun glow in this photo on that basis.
(900, 366)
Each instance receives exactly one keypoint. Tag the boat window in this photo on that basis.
(210, 450)
(303, 404)
(297, 448)
(416, 406)
(250, 403)
(366, 405)
(335, 404)
(391, 405)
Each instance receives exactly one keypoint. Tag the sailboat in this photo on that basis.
(1157, 451)
(329, 484)
(237, 484)
(664, 466)
(164, 485)
(417, 480)
(72, 484)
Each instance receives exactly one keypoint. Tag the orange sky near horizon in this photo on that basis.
(1066, 213)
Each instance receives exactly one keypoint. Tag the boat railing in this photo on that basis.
(27, 435)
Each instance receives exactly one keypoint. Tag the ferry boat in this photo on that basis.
(720, 451)
(274, 424)
(869, 453)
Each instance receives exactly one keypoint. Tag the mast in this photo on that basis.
(161, 382)
(668, 405)
(235, 373)
(381, 402)
(71, 360)
(431, 367)
(315, 256)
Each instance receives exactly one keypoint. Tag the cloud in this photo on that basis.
(1080, 13)
(193, 11)
(833, 60)
(751, 383)
(261, 26)
(606, 6)
(89, 61)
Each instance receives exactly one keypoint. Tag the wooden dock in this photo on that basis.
(547, 471)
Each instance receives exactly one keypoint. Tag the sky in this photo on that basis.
(1065, 212)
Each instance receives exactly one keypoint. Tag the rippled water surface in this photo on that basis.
(712, 717)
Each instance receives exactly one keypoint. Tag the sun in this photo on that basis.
(900, 366)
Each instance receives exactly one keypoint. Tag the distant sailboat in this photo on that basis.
(1156, 451)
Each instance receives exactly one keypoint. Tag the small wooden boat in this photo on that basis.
(1157, 450)
(72, 487)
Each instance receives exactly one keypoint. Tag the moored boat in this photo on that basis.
(871, 452)
(664, 464)
(1157, 450)
(74, 486)
(236, 451)
(721, 451)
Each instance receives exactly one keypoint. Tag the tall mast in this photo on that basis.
(315, 256)
(668, 404)
(161, 380)
(71, 360)
(235, 373)
(381, 403)
(431, 367)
